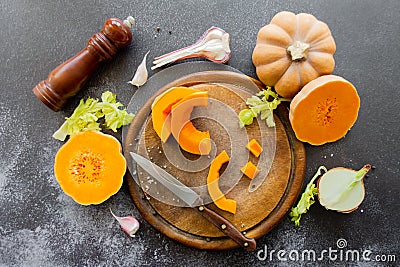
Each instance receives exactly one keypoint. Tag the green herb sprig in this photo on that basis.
(263, 104)
(307, 198)
(87, 113)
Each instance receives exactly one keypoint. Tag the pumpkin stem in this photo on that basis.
(298, 50)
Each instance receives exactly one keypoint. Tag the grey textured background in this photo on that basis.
(41, 226)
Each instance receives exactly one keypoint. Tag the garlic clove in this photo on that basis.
(129, 224)
(141, 74)
(213, 45)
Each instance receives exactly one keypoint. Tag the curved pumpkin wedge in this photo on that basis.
(324, 110)
(161, 109)
(212, 184)
(189, 138)
(90, 167)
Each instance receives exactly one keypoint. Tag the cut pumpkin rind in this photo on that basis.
(189, 138)
(90, 167)
(161, 109)
(216, 194)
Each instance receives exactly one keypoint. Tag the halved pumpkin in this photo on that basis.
(216, 194)
(90, 167)
(324, 110)
(161, 109)
(189, 138)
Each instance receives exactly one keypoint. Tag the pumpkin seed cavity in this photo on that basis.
(87, 167)
(326, 111)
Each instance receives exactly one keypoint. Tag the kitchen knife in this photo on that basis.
(192, 199)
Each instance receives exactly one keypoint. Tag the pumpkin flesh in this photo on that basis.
(189, 138)
(254, 147)
(250, 170)
(161, 109)
(90, 167)
(215, 192)
(324, 110)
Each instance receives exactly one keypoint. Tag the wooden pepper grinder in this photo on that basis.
(68, 78)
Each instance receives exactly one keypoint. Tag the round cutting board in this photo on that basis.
(259, 210)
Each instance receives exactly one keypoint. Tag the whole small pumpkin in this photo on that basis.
(293, 50)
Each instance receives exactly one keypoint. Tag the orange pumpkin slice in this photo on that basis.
(216, 194)
(324, 110)
(161, 109)
(90, 167)
(254, 147)
(250, 170)
(189, 138)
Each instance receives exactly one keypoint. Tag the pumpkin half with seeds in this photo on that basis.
(324, 110)
(90, 167)
(293, 50)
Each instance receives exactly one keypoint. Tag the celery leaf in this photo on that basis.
(263, 104)
(307, 198)
(83, 118)
(114, 117)
(87, 113)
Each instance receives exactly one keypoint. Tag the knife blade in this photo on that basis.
(193, 200)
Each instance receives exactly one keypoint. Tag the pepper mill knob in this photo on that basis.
(68, 78)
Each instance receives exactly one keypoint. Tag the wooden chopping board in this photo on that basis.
(257, 212)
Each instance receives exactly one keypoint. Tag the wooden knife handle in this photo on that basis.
(227, 228)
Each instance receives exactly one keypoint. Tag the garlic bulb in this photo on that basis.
(213, 45)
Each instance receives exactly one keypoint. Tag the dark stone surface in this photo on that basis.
(41, 226)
